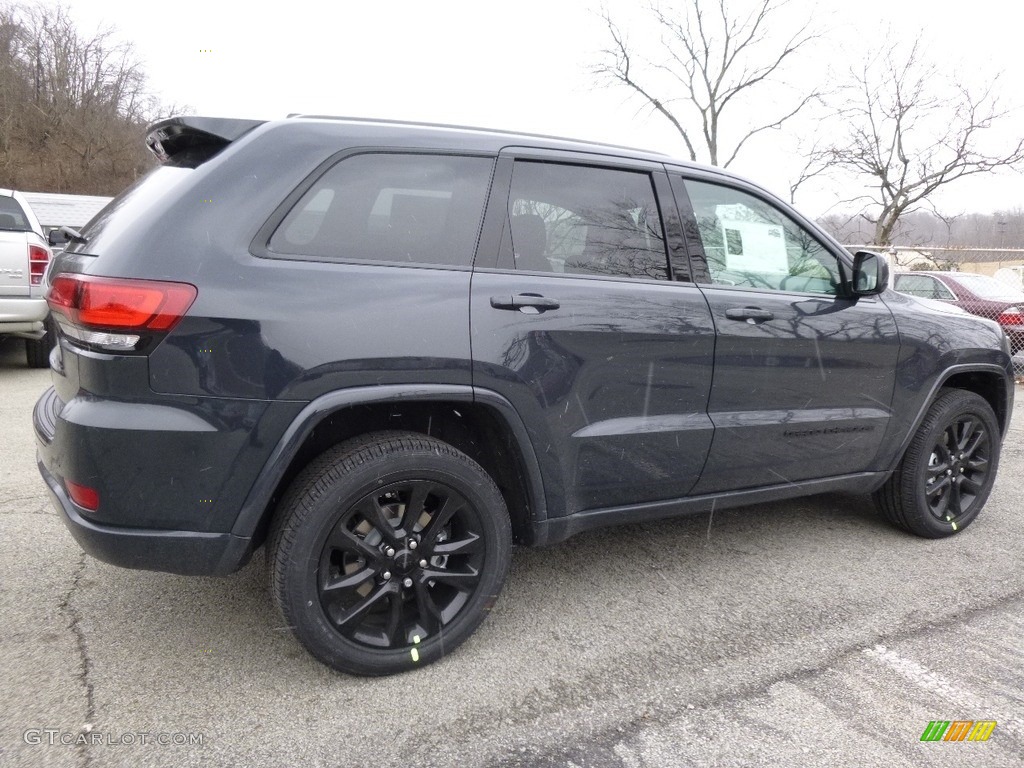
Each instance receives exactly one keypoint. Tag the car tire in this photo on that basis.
(387, 552)
(37, 351)
(948, 470)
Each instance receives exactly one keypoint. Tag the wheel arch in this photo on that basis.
(988, 381)
(483, 425)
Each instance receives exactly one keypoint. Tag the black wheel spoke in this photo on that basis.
(464, 581)
(975, 443)
(471, 542)
(941, 504)
(966, 430)
(978, 465)
(954, 507)
(430, 614)
(349, 580)
(375, 515)
(971, 485)
(354, 615)
(414, 507)
(394, 624)
(937, 487)
(344, 539)
(451, 504)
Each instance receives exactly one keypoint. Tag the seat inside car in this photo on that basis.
(530, 242)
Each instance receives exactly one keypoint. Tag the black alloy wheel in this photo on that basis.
(401, 563)
(947, 471)
(958, 469)
(388, 551)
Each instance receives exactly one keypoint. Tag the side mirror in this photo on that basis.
(870, 274)
(65, 235)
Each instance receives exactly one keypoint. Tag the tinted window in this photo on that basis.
(922, 286)
(422, 209)
(752, 244)
(582, 220)
(11, 215)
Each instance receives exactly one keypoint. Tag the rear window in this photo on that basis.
(12, 217)
(398, 208)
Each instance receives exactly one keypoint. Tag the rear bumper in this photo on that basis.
(192, 553)
(22, 313)
(148, 481)
(23, 316)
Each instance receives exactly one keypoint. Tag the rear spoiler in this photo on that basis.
(176, 136)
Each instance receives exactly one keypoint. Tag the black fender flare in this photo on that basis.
(252, 511)
(940, 382)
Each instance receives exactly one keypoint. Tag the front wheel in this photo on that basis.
(948, 470)
(388, 551)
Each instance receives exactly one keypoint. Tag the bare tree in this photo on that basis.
(710, 60)
(72, 105)
(910, 131)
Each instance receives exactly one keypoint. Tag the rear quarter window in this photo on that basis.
(393, 208)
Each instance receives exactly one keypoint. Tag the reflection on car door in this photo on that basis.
(607, 361)
(803, 375)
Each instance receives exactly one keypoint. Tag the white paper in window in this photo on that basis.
(754, 246)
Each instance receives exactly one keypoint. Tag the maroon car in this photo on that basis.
(977, 294)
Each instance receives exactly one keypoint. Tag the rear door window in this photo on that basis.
(396, 208)
(584, 220)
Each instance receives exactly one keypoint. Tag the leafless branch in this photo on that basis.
(715, 57)
(911, 131)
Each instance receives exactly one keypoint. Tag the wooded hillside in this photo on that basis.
(73, 107)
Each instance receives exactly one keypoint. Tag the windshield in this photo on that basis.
(989, 288)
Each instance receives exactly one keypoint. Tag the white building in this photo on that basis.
(55, 210)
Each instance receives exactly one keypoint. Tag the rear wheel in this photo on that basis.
(948, 470)
(388, 551)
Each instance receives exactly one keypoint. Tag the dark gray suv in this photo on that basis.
(390, 351)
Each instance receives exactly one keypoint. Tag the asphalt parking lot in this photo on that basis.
(804, 633)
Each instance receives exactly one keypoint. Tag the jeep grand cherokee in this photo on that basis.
(388, 351)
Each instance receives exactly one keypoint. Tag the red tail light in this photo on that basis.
(120, 304)
(84, 496)
(1011, 316)
(38, 258)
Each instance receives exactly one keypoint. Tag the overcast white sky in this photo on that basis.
(521, 65)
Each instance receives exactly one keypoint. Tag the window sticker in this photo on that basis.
(754, 246)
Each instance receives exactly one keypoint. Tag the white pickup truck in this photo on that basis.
(24, 256)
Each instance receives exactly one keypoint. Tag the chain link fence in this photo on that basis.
(983, 281)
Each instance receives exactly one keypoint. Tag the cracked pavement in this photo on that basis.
(805, 633)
